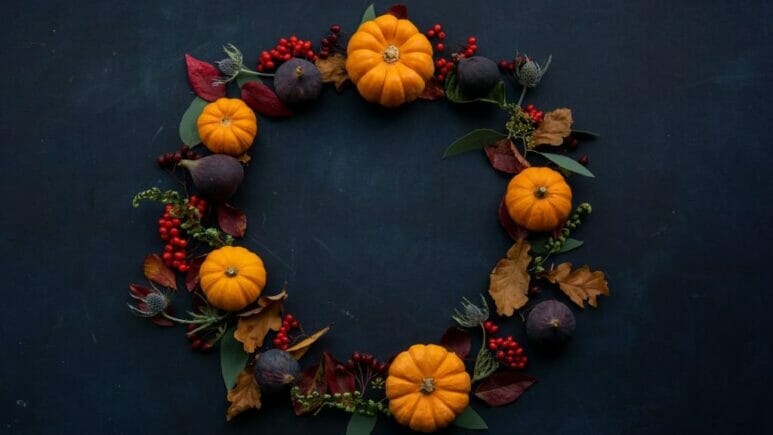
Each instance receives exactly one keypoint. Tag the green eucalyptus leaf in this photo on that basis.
(233, 359)
(567, 163)
(370, 14)
(469, 419)
(360, 424)
(473, 140)
(538, 246)
(495, 96)
(585, 133)
(189, 132)
(243, 78)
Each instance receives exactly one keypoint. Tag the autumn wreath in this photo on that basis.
(426, 386)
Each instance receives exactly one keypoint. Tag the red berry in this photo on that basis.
(174, 232)
(473, 47)
(289, 317)
(293, 38)
(206, 347)
(168, 248)
(335, 28)
(441, 77)
(468, 52)
(492, 346)
(440, 47)
(179, 255)
(437, 27)
(167, 256)
(500, 354)
(309, 53)
(277, 342)
(190, 327)
(441, 35)
(430, 33)
(183, 267)
(583, 160)
(356, 357)
(190, 335)
(196, 344)
(472, 40)
(270, 64)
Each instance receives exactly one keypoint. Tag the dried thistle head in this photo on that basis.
(150, 304)
(232, 65)
(528, 71)
(471, 315)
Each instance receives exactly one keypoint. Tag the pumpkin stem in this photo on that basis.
(427, 385)
(225, 121)
(391, 54)
(231, 272)
(541, 192)
(299, 72)
(555, 323)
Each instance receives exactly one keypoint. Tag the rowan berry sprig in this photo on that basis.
(556, 242)
(282, 339)
(331, 42)
(508, 352)
(366, 369)
(285, 49)
(444, 65)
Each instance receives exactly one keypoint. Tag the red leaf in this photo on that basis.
(162, 321)
(398, 10)
(231, 220)
(433, 90)
(310, 380)
(505, 157)
(503, 387)
(457, 341)
(156, 271)
(202, 77)
(339, 380)
(139, 291)
(192, 276)
(263, 100)
(513, 229)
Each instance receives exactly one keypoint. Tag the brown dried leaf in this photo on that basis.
(433, 90)
(333, 70)
(555, 126)
(245, 395)
(156, 271)
(255, 324)
(510, 279)
(299, 349)
(505, 157)
(580, 284)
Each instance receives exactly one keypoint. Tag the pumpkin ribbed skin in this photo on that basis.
(227, 126)
(539, 199)
(232, 277)
(389, 60)
(427, 387)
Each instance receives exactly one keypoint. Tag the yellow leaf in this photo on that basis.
(510, 279)
(255, 324)
(580, 284)
(299, 349)
(245, 395)
(553, 128)
(333, 70)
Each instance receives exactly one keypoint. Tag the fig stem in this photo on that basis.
(555, 323)
(299, 72)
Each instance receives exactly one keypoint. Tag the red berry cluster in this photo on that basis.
(282, 339)
(329, 43)
(508, 352)
(168, 160)
(506, 66)
(198, 342)
(536, 115)
(583, 160)
(437, 32)
(366, 361)
(444, 65)
(286, 49)
(169, 230)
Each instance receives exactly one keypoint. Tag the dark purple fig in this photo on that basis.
(550, 322)
(216, 177)
(477, 76)
(276, 369)
(297, 81)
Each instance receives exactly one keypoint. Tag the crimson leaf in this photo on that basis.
(457, 341)
(398, 10)
(504, 387)
(263, 100)
(231, 220)
(202, 77)
(513, 229)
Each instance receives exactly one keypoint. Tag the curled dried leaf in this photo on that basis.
(245, 395)
(555, 126)
(505, 157)
(433, 90)
(299, 349)
(333, 70)
(580, 284)
(156, 271)
(510, 279)
(255, 324)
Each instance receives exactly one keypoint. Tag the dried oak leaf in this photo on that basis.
(333, 70)
(515, 231)
(158, 272)
(255, 324)
(245, 395)
(433, 90)
(510, 279)
(202, 77)
(503, 387)
(555, 126)
(457, 341)
(299, 349)
(231, 220)
(505, 157)
(580, 284)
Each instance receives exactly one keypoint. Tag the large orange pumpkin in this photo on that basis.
(427, 387)
(232, 277)
(538, 199)
(227, 126)
(389, 60)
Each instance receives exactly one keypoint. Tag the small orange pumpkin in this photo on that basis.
(427, 387)
(232, 277)
(539, 199)
(389, 60)
(227, 126)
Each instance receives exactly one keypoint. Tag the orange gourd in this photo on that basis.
(227, 126)
(389, 60)
(427, 387)
(232, 277)
(538, 199)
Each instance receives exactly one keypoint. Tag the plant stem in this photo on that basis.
(255, 73)
(523, 94)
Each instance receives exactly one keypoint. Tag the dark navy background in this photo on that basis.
(353, 207)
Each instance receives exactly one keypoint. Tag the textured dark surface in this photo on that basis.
(352, 206)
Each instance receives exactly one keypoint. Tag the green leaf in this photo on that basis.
(233, 359)
(243, 78)
(361, 424)
(370, 14)
(189, 132)
(469, 419)
(567, 163)
(585, 133)
(495, 96)
(473, 140)
(538, 246)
